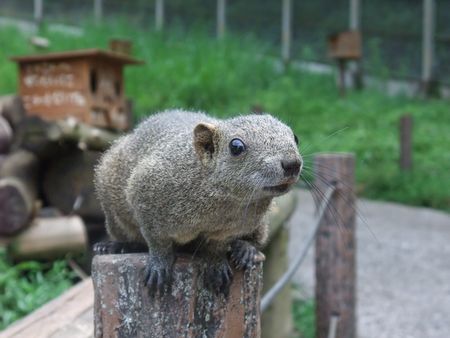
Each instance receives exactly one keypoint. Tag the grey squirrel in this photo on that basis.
(184, 177)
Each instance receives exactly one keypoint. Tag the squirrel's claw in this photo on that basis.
(243, 254)
(157, 278)
(218, 278)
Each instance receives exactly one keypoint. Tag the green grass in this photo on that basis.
(26, 286)
(304, 318)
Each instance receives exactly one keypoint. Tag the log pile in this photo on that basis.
(47, 164)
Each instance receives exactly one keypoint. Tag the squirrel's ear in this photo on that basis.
(204, 134)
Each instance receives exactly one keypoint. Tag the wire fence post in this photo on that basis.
(38, 12)
(159, 15)
(429, 7)
(355, 14)
(355, 25)
(335, 247)
(286, 30)
(221, 18)
(98, 10)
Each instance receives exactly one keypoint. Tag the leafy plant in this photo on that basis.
(303, 312)
(27, 285)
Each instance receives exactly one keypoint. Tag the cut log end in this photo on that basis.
(15, 208)
(123, 305)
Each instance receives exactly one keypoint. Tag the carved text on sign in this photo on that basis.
(48, 68)
(59, 80)
(48, 75)
(56, 98)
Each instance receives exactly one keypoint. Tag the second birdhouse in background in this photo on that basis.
(345, 45)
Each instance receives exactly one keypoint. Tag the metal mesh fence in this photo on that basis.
(442, 63)
(392, 37)
(392, 29)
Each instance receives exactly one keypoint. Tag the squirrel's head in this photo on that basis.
(252, 156)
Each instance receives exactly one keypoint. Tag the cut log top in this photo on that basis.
(124, 308)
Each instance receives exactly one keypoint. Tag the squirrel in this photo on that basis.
(184, 177)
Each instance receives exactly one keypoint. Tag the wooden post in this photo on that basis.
(286, 30)
(221, 18)
(159, 15)
(98, 10)
(123, 307)
(428, 43)
(335, 247)
(406, 124)
(342, 69)
(38, 12)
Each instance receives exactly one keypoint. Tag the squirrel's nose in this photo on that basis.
(291, 168)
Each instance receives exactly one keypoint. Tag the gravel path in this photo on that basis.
(403, 268)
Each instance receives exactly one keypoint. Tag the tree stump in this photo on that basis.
(124, 308)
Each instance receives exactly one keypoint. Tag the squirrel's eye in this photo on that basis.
(237, 147)
(296, 139)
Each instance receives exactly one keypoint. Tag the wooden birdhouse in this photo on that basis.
(345, 45)
(85, 84)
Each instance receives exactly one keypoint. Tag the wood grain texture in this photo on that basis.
(335, 246)
(123, 307)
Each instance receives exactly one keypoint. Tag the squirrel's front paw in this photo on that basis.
(218, 277)
(244, 255)
(158, 275)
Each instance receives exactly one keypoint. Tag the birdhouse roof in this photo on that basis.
(79, 54)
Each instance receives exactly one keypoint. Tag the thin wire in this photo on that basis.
(298, 260)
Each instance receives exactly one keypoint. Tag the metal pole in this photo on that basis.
(286, 30)
(98, 10)
(221, 18)
(355, 14)
(428, 41)
(38, 11)
(355, 67)
(159, 15)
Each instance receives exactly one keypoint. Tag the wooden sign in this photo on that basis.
(345, 45)
(85, 84)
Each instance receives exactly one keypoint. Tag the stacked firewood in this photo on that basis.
(47, 199)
